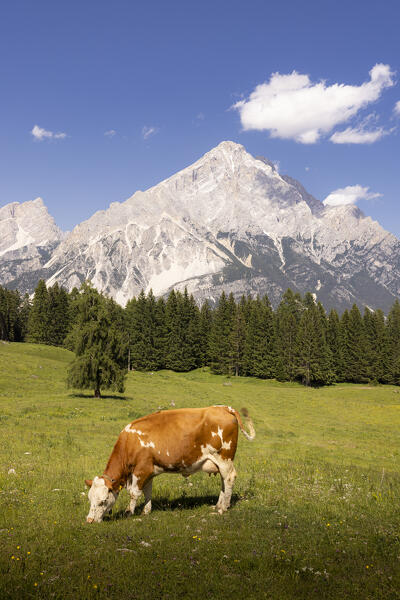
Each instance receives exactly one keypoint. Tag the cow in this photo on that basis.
(181, 441)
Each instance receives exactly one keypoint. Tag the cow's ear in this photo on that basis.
(89, 482)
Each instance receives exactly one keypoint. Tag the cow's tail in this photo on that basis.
(249, 423)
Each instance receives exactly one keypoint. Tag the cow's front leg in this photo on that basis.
(135, 492)
(147, 490)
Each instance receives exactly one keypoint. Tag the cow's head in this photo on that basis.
(101, 498)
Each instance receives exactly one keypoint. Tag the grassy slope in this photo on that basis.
(315, 510)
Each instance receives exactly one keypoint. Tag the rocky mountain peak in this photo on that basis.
(227, 222)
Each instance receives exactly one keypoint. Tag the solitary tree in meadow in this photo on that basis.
(100, 352)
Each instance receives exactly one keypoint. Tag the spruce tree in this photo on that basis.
(10, 319)
(393, 345)
(58, 315)
(39, 315)
(220, 349)
(205, 324)
(333, 340)
(313, 355)
(287, 320)
(99, 348)
(144, 321)
(183, 351)
(238, 339)
(354, 364)
(375, 332)
(259, 352)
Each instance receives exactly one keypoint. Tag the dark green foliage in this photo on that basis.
(220, 348)
(183, 348)
(238, 339)
(296, 342)
(100, 352)
(313, 355)
(58, 315)
(12, 324)
(393, 345)
(39, 315)
(375, 332)
(205, 323)
(287, 320)
(259, 352)
(333, 340)
(145, 322)
(354, 347)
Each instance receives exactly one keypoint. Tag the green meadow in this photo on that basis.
(315, 511)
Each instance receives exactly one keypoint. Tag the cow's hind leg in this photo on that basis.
(228, 476)
(147, 490)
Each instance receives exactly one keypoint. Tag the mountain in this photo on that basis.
(229, 221)
(28, 236)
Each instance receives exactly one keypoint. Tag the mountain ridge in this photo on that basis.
(228, 221)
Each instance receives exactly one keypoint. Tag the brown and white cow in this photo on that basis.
(181, 441)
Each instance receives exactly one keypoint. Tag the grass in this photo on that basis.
(315, 509)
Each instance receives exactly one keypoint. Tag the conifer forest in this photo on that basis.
(298, 341)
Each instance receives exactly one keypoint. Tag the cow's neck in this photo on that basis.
(114, 470)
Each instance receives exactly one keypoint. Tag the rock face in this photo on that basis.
(229, 221)
(28, 236)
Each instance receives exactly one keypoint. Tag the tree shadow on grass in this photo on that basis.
(182, 503)
(103, 396)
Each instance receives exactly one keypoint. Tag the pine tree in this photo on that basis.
(313, 356)
(221, 359)
(354, 365)
(333, 340)
(287, 321)
(238, 339)
(393, 345)
(144, 318)
(24, 313)
(99, 349)
(205, 325)
(58, 315)
(39, 315)
(183, 332)
(259, 352)
(10, 318)
(376, 353)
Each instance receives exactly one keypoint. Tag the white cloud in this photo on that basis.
(148, 131)
(293, 107)
(41, 134)
(350, 195)
(397, 108)
(110, 133)
(358, 135)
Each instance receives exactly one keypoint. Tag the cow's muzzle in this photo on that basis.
(89, 520)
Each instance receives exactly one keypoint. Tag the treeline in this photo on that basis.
(296, 342)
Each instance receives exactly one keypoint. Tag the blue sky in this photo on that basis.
(123, 94)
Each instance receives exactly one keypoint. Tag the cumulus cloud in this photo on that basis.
(41, 134)
(110, 133)
(350, 195)
(397, 108)
(293, 107)
(148, 131)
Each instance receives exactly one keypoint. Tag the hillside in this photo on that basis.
(315, 498)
